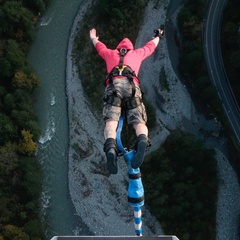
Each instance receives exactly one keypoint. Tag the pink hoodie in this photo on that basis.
(132, 59)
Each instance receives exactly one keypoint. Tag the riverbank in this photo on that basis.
(95, 194)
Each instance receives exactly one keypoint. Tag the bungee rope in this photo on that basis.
(135, 186)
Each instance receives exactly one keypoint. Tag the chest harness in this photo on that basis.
(126, 71)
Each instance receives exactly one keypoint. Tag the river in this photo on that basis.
(47, 56)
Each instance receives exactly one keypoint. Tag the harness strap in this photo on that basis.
(129, 103)
(134, 176)
(122, 52)
(122, 70)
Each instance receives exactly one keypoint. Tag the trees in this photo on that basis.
(37, 6)
(15, 56)
(7, 129)
(27, 146)
(191, 63)
(182, 185)
(25, 81)
(12, 58)
(14, 233)
(16, 21)
(20, 177)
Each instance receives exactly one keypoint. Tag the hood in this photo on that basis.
(125, 43)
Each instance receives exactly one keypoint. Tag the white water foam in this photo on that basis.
(45, 199)
(49, 133)
(53, 99)
(45, 21)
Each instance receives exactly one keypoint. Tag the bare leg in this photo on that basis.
(110, 146)
(140, 128)
(110, 129)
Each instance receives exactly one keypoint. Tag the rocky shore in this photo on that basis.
(100, 199)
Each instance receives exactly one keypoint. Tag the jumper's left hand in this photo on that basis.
(158, 33)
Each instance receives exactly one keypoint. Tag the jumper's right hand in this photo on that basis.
(93, 34)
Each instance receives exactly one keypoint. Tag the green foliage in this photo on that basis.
(16, 21)
(32, 229)
(183, 173)
(191, 62)
(25, 81)
(26, 120)
(17, 176)
(163, 80)
(121, 17)
(12, 232)
(8, 130)
(151, 114)
(8, 169)
(230, 39)
(37, 6)
(201, 83)
(13, 58)
(15, 55)
(5, 67)
(26, 145)
(18, 115)
(31, 179)
(20, 178)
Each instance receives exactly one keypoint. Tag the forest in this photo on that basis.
(192, 63)
(20, 172)
(180, 181)
(230, 43)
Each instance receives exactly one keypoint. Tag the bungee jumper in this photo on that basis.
(122, 81)
(122, 91)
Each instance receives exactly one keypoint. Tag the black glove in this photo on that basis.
(158, 33)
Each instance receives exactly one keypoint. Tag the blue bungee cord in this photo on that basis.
(135, 186)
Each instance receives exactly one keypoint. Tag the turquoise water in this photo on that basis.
(48, 58)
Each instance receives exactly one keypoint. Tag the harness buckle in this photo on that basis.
(120, 70)
(123, 51)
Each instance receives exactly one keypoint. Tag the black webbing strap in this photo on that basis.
(122, 52)
(129, 103)
(135, 200)
(122, 70)
(134, 176)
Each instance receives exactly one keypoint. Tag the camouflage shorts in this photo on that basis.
(124, 90)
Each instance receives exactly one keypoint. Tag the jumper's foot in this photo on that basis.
(112, 161)
(141, 149)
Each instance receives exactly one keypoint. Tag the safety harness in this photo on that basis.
(126, 71)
